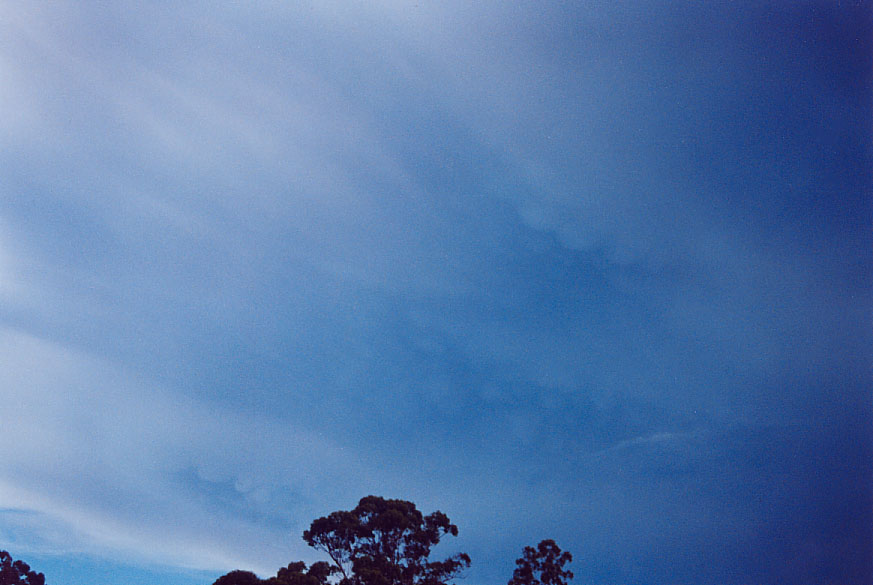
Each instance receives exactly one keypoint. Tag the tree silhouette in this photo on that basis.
(297, 574)
(238, 578)
(17, 572)
(386, 542)
(543, 565)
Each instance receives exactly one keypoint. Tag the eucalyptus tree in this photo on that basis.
(543, 565)
(386, 542)
(389, 542)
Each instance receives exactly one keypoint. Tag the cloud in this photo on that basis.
(113, 463)
(258, 261)
(13, 286)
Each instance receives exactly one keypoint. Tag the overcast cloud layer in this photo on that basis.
(597, 272)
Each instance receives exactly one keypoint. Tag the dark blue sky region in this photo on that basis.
(597, 272)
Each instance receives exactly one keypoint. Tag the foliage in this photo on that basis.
(294, 574)
(238, 578)
(297, 574)
(17, 572)
(543, 565)
(386, 542)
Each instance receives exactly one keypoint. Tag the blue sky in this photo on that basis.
(597, 272)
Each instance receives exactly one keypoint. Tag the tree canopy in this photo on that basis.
(297, 574)
(386, 542)
(543, 565)
(389, 542)
(238, 578)
(17, 572)
(379, 542)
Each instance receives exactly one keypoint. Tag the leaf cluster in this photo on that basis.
(294, 574)
(17, 572)
(389, 542)
(386, 542)
(543, 565)
(297, 574)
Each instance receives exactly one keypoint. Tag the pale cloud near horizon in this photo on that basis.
(111, 458)
(117, 466)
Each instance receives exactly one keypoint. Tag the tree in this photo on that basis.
(386, 542)
(294, 574)
(17, 572)
(238, 578)
(297, 574)
(543, 565)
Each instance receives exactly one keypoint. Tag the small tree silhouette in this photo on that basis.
(386, 542)
(17, 572)
(543, 565)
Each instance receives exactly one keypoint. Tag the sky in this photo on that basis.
(591, 271)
